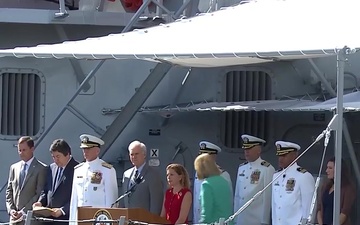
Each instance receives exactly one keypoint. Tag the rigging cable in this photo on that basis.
(325, 133)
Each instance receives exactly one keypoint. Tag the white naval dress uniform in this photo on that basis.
(251, 178)
(291, 196)
(196, 194)
(94, 185)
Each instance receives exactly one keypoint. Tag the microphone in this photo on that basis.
(137, 181)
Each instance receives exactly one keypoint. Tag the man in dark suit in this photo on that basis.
(57, 191)
(26, 180)
(149, 193)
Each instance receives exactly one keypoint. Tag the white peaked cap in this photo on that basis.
(284, 147)
(251, 141)
(89, 141)
(208, 147)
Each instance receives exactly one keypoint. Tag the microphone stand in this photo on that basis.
(121, 197)
(138, 181)
(326, 132)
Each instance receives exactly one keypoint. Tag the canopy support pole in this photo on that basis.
(340, 64)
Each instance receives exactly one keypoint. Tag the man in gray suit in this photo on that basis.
(148, 193)
(26, 180)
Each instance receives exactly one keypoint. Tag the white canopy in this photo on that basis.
(253, 32)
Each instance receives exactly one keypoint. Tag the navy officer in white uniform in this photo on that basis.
(213, 150)
(95, 182)
(292, 192)
(253, 176)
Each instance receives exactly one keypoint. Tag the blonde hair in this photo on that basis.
(205, 166)
(180, 170)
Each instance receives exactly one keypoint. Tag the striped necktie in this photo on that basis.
(57, 177)
(133, 180)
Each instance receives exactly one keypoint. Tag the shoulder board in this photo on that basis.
(106, 165)
(78, 165)
(221, 170)
(264, 163)
(279, 170)
(244, 163)
(301, 170)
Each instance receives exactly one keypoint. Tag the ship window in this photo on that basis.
(245, 86)
(21, 107)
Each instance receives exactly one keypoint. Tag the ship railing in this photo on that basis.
(29, 217)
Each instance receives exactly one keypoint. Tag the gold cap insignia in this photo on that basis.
(85, 139)
(246, 140)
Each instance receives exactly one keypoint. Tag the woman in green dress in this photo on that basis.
(215, 196)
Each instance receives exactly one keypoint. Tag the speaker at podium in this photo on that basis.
(134, 214)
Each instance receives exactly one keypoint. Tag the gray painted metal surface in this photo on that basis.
(117, 82)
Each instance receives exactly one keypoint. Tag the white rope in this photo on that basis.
(232, 217)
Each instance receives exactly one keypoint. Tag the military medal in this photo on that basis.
(96, 178)
(290, 184)
(255, 176)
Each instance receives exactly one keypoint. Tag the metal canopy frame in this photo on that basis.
(340, 61)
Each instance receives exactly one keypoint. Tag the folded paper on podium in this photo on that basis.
(135, 214)
(42, 211)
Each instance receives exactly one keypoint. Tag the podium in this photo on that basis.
(135, 214)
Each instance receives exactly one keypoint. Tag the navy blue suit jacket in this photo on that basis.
(60, 198)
